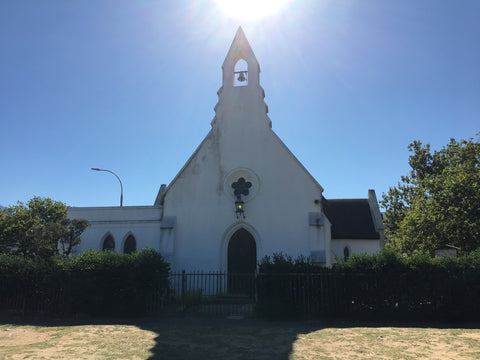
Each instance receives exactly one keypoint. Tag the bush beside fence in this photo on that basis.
(409, 295)
(382, 286)
(95, 283)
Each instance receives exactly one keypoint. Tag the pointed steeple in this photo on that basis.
(240, 50)
(240, 99)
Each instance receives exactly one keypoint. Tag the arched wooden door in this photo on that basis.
(242, 262)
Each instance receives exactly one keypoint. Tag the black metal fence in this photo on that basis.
(213, 293)
(316, 295)
(31, 296)
(414, 295)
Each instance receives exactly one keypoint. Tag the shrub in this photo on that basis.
(277, 296)
(385, 285)
(96, 283)
(280, 263)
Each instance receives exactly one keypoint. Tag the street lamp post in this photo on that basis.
(121, 186)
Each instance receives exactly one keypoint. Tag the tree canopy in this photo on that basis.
(39, 228)
(438, 202)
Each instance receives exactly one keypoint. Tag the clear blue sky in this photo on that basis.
(130, 86)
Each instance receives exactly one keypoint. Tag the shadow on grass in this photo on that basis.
(221, 338)
(199, 337)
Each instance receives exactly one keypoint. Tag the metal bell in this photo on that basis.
(241, 77)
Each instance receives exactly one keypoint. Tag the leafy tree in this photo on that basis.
(70, 234)
(39, 228)
(438, 202)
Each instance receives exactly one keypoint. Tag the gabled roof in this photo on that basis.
(163, 192)
(448, 247)
(320, 187)
(350, 219)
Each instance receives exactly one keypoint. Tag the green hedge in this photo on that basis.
(280, 263)
(279, 283)
(95, 283)
(388, 260)
(383, 286)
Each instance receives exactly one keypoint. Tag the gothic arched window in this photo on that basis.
(108, 243)
(346, 253)
(130, 245)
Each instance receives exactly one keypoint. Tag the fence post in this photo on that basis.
(184, 283)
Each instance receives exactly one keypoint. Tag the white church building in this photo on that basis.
(231, 204)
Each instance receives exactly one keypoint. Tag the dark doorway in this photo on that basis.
(242, 262)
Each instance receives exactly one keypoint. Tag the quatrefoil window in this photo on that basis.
(241, 188)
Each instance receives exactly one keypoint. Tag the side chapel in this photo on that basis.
(227, 207)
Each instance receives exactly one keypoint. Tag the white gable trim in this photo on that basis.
(190, 159)
(297, 161)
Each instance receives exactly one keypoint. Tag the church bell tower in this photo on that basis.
(240, 99)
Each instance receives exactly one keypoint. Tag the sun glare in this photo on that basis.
(250, 9)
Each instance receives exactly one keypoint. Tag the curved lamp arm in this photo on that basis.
(121, 186)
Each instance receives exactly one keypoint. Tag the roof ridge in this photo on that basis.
(347, 199)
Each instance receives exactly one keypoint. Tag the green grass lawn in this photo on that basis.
(201, 338)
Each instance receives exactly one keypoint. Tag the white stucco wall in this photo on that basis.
(143, 222)
(446, 252)
(203, 204)
(356, 246)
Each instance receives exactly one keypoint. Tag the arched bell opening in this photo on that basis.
(240, 73)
